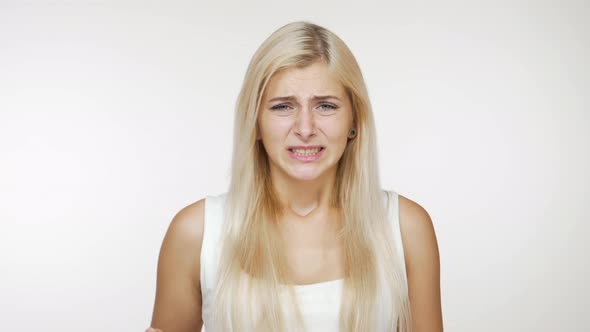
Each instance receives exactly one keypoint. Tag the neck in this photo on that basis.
(305, 197)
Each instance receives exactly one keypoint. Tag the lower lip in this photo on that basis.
(307, 159)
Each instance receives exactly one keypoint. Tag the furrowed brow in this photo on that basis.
(292, 98)
(285, 98)
(325, 97)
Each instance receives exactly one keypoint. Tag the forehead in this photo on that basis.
(315, 79)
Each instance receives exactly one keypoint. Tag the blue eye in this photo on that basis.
(322, 107)
(327, 107)
(280, 107)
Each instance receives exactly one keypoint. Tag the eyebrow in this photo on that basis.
(291, 98)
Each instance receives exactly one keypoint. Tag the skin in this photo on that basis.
(318, 112)
(309, 229)
(304, 120)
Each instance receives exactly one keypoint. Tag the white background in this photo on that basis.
(116, 114)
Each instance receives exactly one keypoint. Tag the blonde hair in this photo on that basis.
(252, 272)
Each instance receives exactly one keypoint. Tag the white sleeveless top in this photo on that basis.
(319, 303)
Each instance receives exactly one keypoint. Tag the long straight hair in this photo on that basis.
(252, 291)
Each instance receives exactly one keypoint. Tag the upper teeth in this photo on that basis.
(306, 151)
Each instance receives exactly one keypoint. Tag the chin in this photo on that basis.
(305, 175)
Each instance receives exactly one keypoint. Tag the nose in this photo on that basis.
(305, 124)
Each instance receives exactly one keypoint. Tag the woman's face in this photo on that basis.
(304, 120)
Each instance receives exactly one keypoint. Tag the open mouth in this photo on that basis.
(307, 152)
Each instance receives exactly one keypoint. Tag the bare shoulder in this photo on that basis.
(422, 265)
(178, 300)
(185, 236)
(418, 234)
(415, 223)
(187, 225)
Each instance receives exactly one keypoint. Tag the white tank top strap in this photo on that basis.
(393, 214)
(210, 253)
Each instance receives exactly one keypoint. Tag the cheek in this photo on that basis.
(336, 131)
(274, 132)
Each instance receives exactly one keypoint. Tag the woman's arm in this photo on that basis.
(177, 305)
(422, 266)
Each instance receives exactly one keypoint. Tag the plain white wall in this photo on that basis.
(116, 114)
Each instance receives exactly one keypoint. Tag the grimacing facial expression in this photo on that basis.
(304, 120)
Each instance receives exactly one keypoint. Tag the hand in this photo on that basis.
(151, 329)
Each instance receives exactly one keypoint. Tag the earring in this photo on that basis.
(352, 133)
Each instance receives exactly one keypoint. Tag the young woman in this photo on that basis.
(305, 239)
